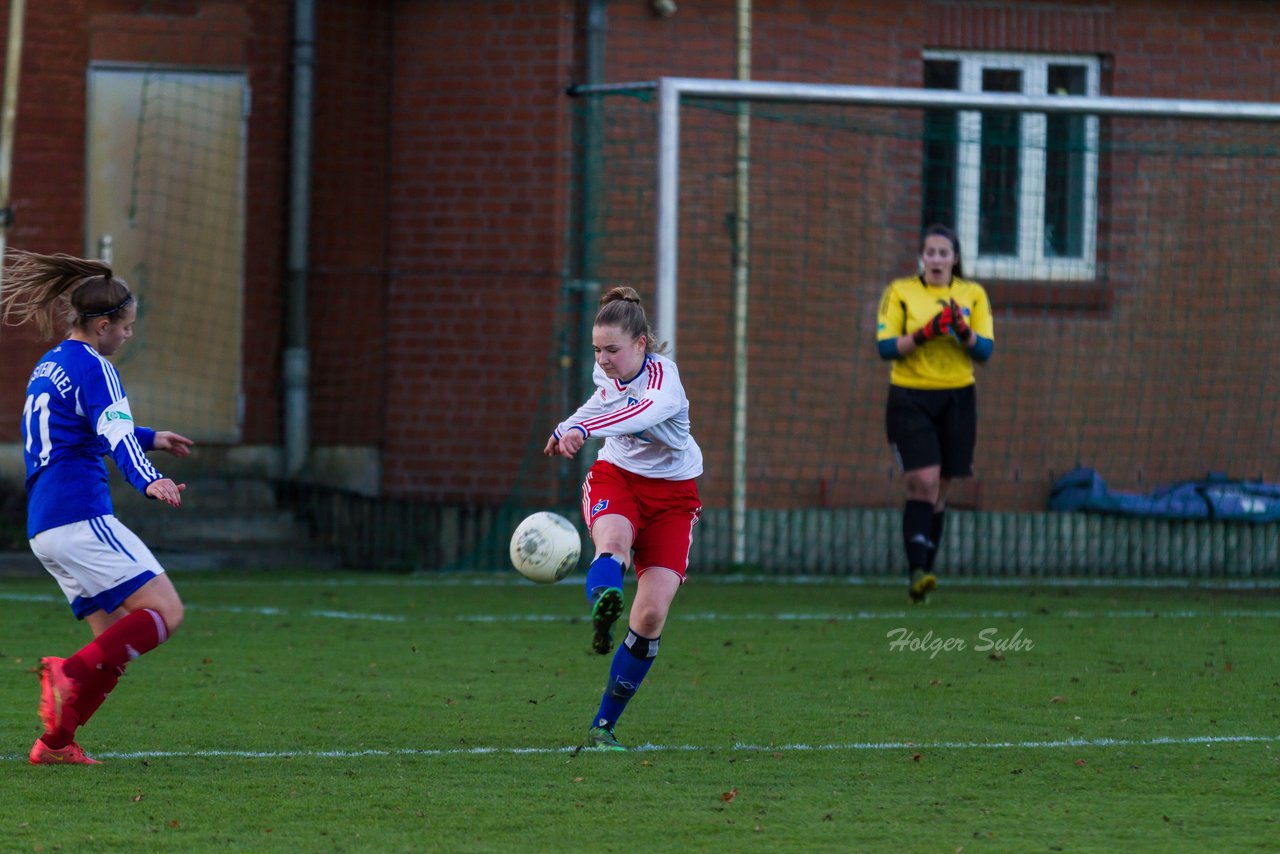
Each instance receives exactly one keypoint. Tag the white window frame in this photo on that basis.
(1031, 261)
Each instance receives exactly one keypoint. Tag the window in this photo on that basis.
(1019, 188)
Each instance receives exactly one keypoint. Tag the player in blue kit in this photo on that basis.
(76, 413)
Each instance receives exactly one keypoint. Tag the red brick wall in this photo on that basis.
(441, 188)
(478, 186)
(353, 129)
(268, 40)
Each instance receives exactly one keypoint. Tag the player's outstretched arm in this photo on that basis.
(175, 443)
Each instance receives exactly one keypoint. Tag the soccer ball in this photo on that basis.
(545, 547)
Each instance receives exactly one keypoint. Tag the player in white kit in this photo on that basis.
(639, 500)
(76, 413)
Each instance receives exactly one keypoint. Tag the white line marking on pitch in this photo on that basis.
(711, 616)
(1164, 741)
(508, 578)
(706, 616)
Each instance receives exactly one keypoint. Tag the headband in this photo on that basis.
(124, 302)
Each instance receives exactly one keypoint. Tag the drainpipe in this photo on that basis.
(296, 334)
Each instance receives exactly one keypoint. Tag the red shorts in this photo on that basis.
(662, 513)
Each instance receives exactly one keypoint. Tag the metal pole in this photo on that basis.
(741, 291)
(584, 297)
(892, 96)
(668, 204)
(297, 355)
(12, 70)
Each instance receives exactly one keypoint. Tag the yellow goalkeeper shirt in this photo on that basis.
(909, 304)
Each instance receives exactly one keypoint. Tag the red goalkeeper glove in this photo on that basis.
(937, 327)
(958, 324)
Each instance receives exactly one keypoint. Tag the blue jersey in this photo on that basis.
(75, 414)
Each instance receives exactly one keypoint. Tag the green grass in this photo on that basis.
(380, 713)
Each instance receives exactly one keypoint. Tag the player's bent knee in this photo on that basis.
(613, 534)
(616, 544)
(160, 596)
(173, 614)
(647, 621)
(921, 487)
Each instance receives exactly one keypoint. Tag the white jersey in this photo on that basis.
(644, 422)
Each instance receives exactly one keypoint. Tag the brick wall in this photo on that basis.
(479, 179)
(441, 202)
(350, 221)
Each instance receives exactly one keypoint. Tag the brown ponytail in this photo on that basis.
(41, 287)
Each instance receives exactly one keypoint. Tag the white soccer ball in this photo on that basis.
(545, 547)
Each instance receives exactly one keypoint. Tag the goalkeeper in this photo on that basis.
(933, 327)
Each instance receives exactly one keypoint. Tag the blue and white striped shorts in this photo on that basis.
(98, 563)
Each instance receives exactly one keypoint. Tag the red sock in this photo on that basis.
(126, 639)
(94, 692)
(58, 740)
(90, 694)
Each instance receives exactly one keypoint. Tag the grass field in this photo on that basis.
(360, 712)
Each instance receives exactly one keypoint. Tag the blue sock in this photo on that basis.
(630, 664)
(605, 571)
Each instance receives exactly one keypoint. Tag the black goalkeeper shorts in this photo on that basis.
(933, 428)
